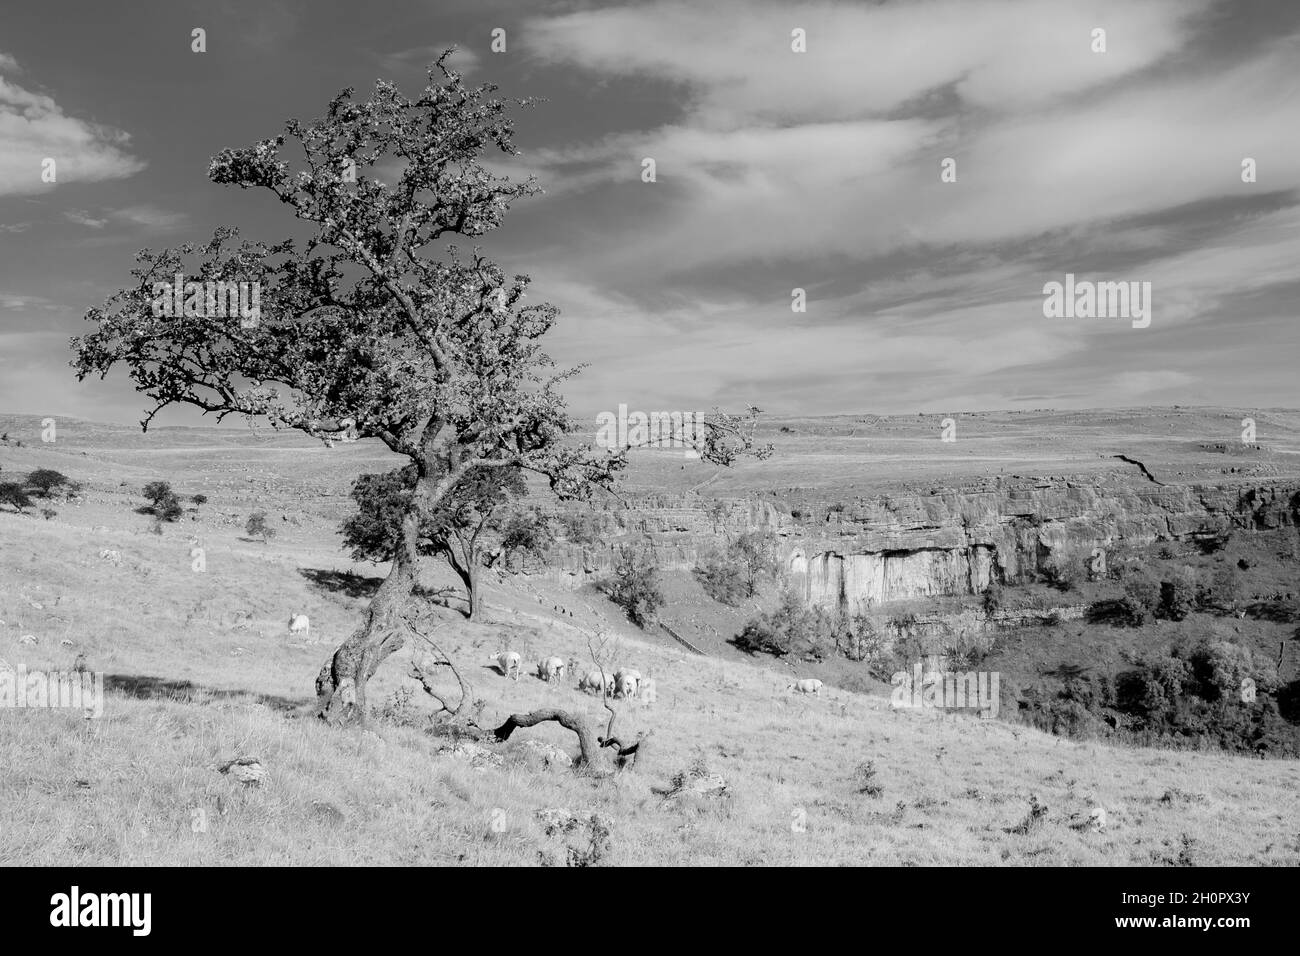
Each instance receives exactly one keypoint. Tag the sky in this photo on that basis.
(776, 169)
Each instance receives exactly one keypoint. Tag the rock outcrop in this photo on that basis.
(872, 551)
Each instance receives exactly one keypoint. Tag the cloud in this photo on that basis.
(868, 188)
(34, 128)
(141, 218)
(148, 217)
(83, 218)
(736, 61)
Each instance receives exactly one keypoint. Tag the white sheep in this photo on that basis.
(551, 668)
(299, 624)
(506, 661)
(807, 686)
(592, 681)
(626, 682)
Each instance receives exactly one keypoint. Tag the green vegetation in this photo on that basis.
(635, 588)
(163, 503)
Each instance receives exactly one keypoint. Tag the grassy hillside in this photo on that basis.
(200, 669)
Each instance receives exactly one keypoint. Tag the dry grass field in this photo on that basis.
(199, 669)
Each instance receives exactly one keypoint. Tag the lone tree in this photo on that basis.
(45, 482)
(12, 494)
(362, 332)
(461, 528)
(256, 527)
(163, 503)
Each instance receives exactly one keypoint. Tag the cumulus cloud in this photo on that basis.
(34, 128)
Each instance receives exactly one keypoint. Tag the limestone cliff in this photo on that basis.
(872, 551)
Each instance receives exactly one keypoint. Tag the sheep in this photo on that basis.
(807, 686)
(506, 661)
(626, 682)
(592, 681)
(299, 624)
(551, 668)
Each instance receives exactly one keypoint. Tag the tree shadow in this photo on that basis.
(342, 582)
(1111, 612)
(1279, 611)
(360, 586)
(146, 687)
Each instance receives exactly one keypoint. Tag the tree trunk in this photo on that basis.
(467, 568)
(341, 683)
(570, 721)
(473, 582)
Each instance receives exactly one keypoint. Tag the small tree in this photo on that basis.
(43, 482)
(258, 528)
(1177, 598)
(459, 529)
(12, 494)
(527, 532)
(635, 588)
(723, 579)
(756, 553)
(1141, 595)
(163, 503)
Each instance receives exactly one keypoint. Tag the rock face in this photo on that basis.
(897, 548)
(872, 551)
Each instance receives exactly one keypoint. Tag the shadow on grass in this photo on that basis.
(342, 582)
(144, 687)
(1112, 612)
(356, 585)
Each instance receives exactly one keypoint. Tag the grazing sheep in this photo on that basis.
(299, 624)
(592, 681)
(506, 661)
(626, 682)
(807, 686)
(551, 668)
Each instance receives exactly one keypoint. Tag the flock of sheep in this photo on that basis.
(625, 682)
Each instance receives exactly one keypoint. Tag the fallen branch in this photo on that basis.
(567, 720)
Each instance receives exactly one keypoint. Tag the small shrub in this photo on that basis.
(1177, 598)
(12, 494)
(200, 499)
(163, 503)
(579, 527)
(992, 598)
(635, 588)
(527, 533)
(791, 629)
(1141, 596)
(864, 779)
(722, 580)
(44, 482)
(256, 527)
